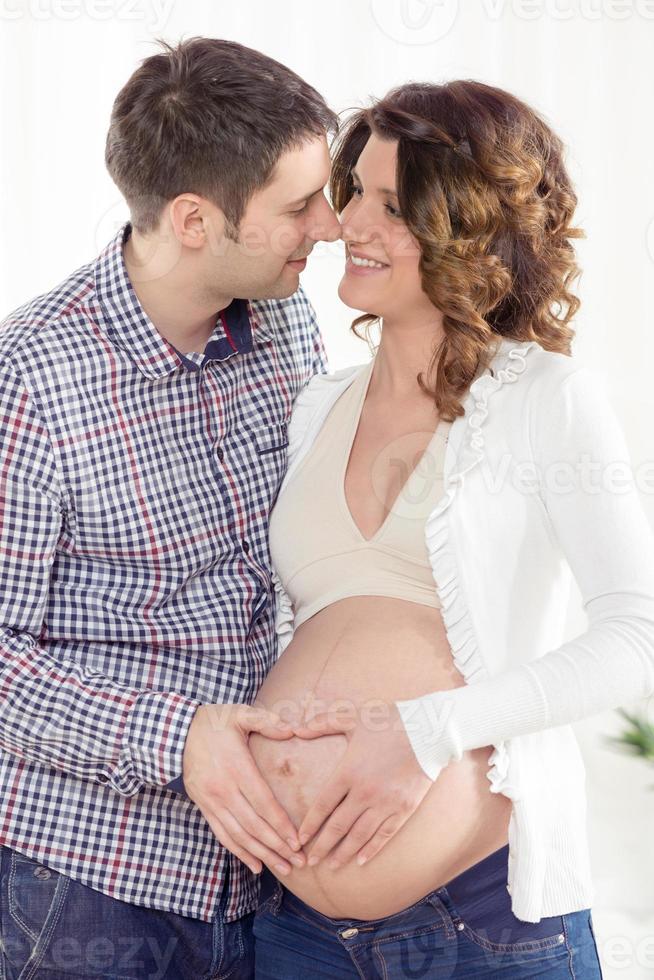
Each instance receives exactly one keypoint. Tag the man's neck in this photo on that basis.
(164, 288)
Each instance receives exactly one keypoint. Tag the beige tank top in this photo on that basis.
(317, 548)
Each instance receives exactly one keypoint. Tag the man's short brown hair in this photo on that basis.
(209, 117)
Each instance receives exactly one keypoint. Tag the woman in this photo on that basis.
(456, 215)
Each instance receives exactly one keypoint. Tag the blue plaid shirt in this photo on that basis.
(135, 488)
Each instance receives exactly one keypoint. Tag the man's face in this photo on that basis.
(281, 224)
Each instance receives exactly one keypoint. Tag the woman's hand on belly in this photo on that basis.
(377, 785)
(458, 822)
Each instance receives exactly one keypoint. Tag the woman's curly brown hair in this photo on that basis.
(483, 189)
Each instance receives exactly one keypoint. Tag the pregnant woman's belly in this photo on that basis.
(358, 650)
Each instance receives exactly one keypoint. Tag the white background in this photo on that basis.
(585, 64)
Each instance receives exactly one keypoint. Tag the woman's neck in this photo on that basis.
(405, 350)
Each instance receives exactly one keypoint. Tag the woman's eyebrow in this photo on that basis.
(381, 190)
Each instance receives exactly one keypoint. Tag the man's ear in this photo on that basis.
(192, 223)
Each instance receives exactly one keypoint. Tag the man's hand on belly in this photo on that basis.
(222, 779)
(374, 790)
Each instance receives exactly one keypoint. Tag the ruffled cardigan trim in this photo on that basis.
(454, 610)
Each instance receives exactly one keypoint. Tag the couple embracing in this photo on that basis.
(284, 686)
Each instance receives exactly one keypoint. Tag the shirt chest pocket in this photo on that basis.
(269, 453)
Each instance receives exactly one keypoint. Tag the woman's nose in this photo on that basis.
(357, 231)
(357, 224)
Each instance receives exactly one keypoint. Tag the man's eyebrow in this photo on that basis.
(305, 197)
(382, 190)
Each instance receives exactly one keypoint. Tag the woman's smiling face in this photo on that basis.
(388, 284)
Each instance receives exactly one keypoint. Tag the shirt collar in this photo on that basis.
(238, 327)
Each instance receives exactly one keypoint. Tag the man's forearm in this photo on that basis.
(55, 713)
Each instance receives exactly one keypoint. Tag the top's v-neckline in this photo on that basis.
(343, 472)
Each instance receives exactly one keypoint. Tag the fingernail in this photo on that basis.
(294, 844)
(313, 860)
(303, 839)
(361, 859)
(282, 868)
(298, 860)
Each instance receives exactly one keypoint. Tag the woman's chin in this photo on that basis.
(357, 297)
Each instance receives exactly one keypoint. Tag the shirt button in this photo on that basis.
(220, 454)
(102, 778)
(246, 546)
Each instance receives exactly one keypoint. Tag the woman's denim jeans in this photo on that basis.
(56, 928)
(465, 930)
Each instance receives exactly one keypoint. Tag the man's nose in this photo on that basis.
(326, 227)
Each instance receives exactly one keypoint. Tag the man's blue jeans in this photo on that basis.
(463, 931)
(56, 928)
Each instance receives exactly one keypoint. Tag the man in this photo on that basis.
(144, 404)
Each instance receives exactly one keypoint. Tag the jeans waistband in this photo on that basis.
(478, 895)
(480, 881)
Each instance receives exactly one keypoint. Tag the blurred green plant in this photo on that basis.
(637, 739)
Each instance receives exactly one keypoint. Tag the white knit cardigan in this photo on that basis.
(538, 486)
